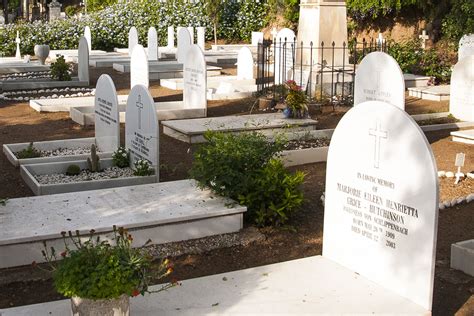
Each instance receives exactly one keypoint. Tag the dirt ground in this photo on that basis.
(452, 289)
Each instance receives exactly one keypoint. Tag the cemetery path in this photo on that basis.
(19, 123)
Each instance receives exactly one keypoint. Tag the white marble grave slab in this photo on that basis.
(432, 93)
(465, 136)
(195, 79)
(461, 103)
(245, 64)
(139, 68)
(466, 46)
(381, 216)
(132, 40)
(107, 120)
(152, 44)
(170, 37)
(201, 37)
(88, 36)
(141, 126)
(83, 62)
(184, 42)
(379, 78)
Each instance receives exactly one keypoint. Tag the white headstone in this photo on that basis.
(466, 46)
(257, 37)
(201, 37)
(132, 39)
(285, 54)
(245, 64)
(141, 126)
(170, 36)
(88, 36)
(191, 33)
(107, 119)
(379, 78)
(139, 72)
(184, 42)
(461, 103)
(83, 60)
(17, 41)
(152, 44)
(195, 79)
(381, 209)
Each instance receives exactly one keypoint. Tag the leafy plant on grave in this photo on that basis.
(296, 101)
(73, 170)
(60, 70)
(142, 168)
(93, 161)
(121, 157)
(28, 152)
(245, 167)
(99, 269)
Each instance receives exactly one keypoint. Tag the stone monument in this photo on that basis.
(54, 10)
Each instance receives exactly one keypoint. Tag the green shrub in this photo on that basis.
(71, 10)
(242, 167)
(143, 168)
(121, 157)
(459, 21)
(73, 170)
(60, 69)
(28, 152)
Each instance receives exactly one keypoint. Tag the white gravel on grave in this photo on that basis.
(85, 175)
(65, 152)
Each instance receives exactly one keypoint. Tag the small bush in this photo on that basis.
(121, 157)
(73, 170)
(60, 69)
(142, 168)
(243, 167)
(28, 152)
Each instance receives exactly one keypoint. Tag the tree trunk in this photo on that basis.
(215, 32)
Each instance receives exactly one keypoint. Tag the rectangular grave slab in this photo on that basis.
(40, 84)
(23, 67)
(28, 173)
(65, 104)
(124, 66)
(412, 80)
(432, 93)
(462, 256)
(265, 290)
(192, 131)
(212, 82)
(163, 212)
(10, 149)
(466, 136)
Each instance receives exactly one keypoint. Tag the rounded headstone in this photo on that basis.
(83, 60)
(195, 79)
(88, 36)
(184, 42)
(381, 208)
(245, 64)
(461, 103)
(285, 49)
(379, 78)
(466, 46)
(132, 39)
(139, 73)
(152, 44)
(106, 113)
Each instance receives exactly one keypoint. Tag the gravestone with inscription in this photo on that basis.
(170, 42)
(195, 79)
(285, 54)
(141, 126)
(184, 42)
(107, 121)
(132, 39)
(466, 46)
(245, 64)
(379, 78)
(152, 44)
(461, 103)
(83, 60)
(88, 36)
(381, 209)
(139, 73)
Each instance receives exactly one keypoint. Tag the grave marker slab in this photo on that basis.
(284, 54)
(184, 42)
(107, 120)
(152, 44)
(245, 64)
(141, 127)
(132, 39)
(257, 37)
(88, 36)
(201, 37)
(466, 46)
(461, 103)
(382, 208)
(170, 36)
(191, 33)
(379, 78)
(83, 60)
(195, 79)
(139, 72)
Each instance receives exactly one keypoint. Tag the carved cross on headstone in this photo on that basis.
(423, 37)
(139, 105)
(378, 133)
(17, 40)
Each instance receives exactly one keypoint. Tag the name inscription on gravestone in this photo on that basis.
(104, 111)
(139, 143)
(193, 80)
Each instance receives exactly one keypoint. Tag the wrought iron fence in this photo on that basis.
(325, 72)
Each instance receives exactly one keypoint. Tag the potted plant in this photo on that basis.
(100, 276)
(296, 101)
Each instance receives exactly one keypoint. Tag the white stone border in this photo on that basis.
(80, 92)
(468, 199)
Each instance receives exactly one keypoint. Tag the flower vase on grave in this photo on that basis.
(42, 52)
(85, 307)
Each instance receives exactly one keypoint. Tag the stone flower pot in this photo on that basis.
(106, 307)
(42, 52)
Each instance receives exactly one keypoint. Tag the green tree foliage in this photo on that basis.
(96, 5)
(214, 9)
(361, 9)
(459, 20)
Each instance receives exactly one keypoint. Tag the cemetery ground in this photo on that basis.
(252, 247)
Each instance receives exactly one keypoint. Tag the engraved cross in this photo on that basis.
(378, 134)
(139, 105)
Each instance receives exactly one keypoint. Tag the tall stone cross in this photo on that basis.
(423, 37)
(378, 133)
(139, 105)
(17, 40)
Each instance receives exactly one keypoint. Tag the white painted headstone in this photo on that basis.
(461, 103)
(285, 54)
(107, 119)
(141, 126)
(381, 209)
(184, 42)
(17, 41)
(132, 39)
(245, 64)
(257, 37)
(191, 33)
(201, 37)
(152, 44)
(466, 46)
(195, 79)
(139, 73)
(379, 78)
(88, 36)
(83, 60)
(170, 36)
